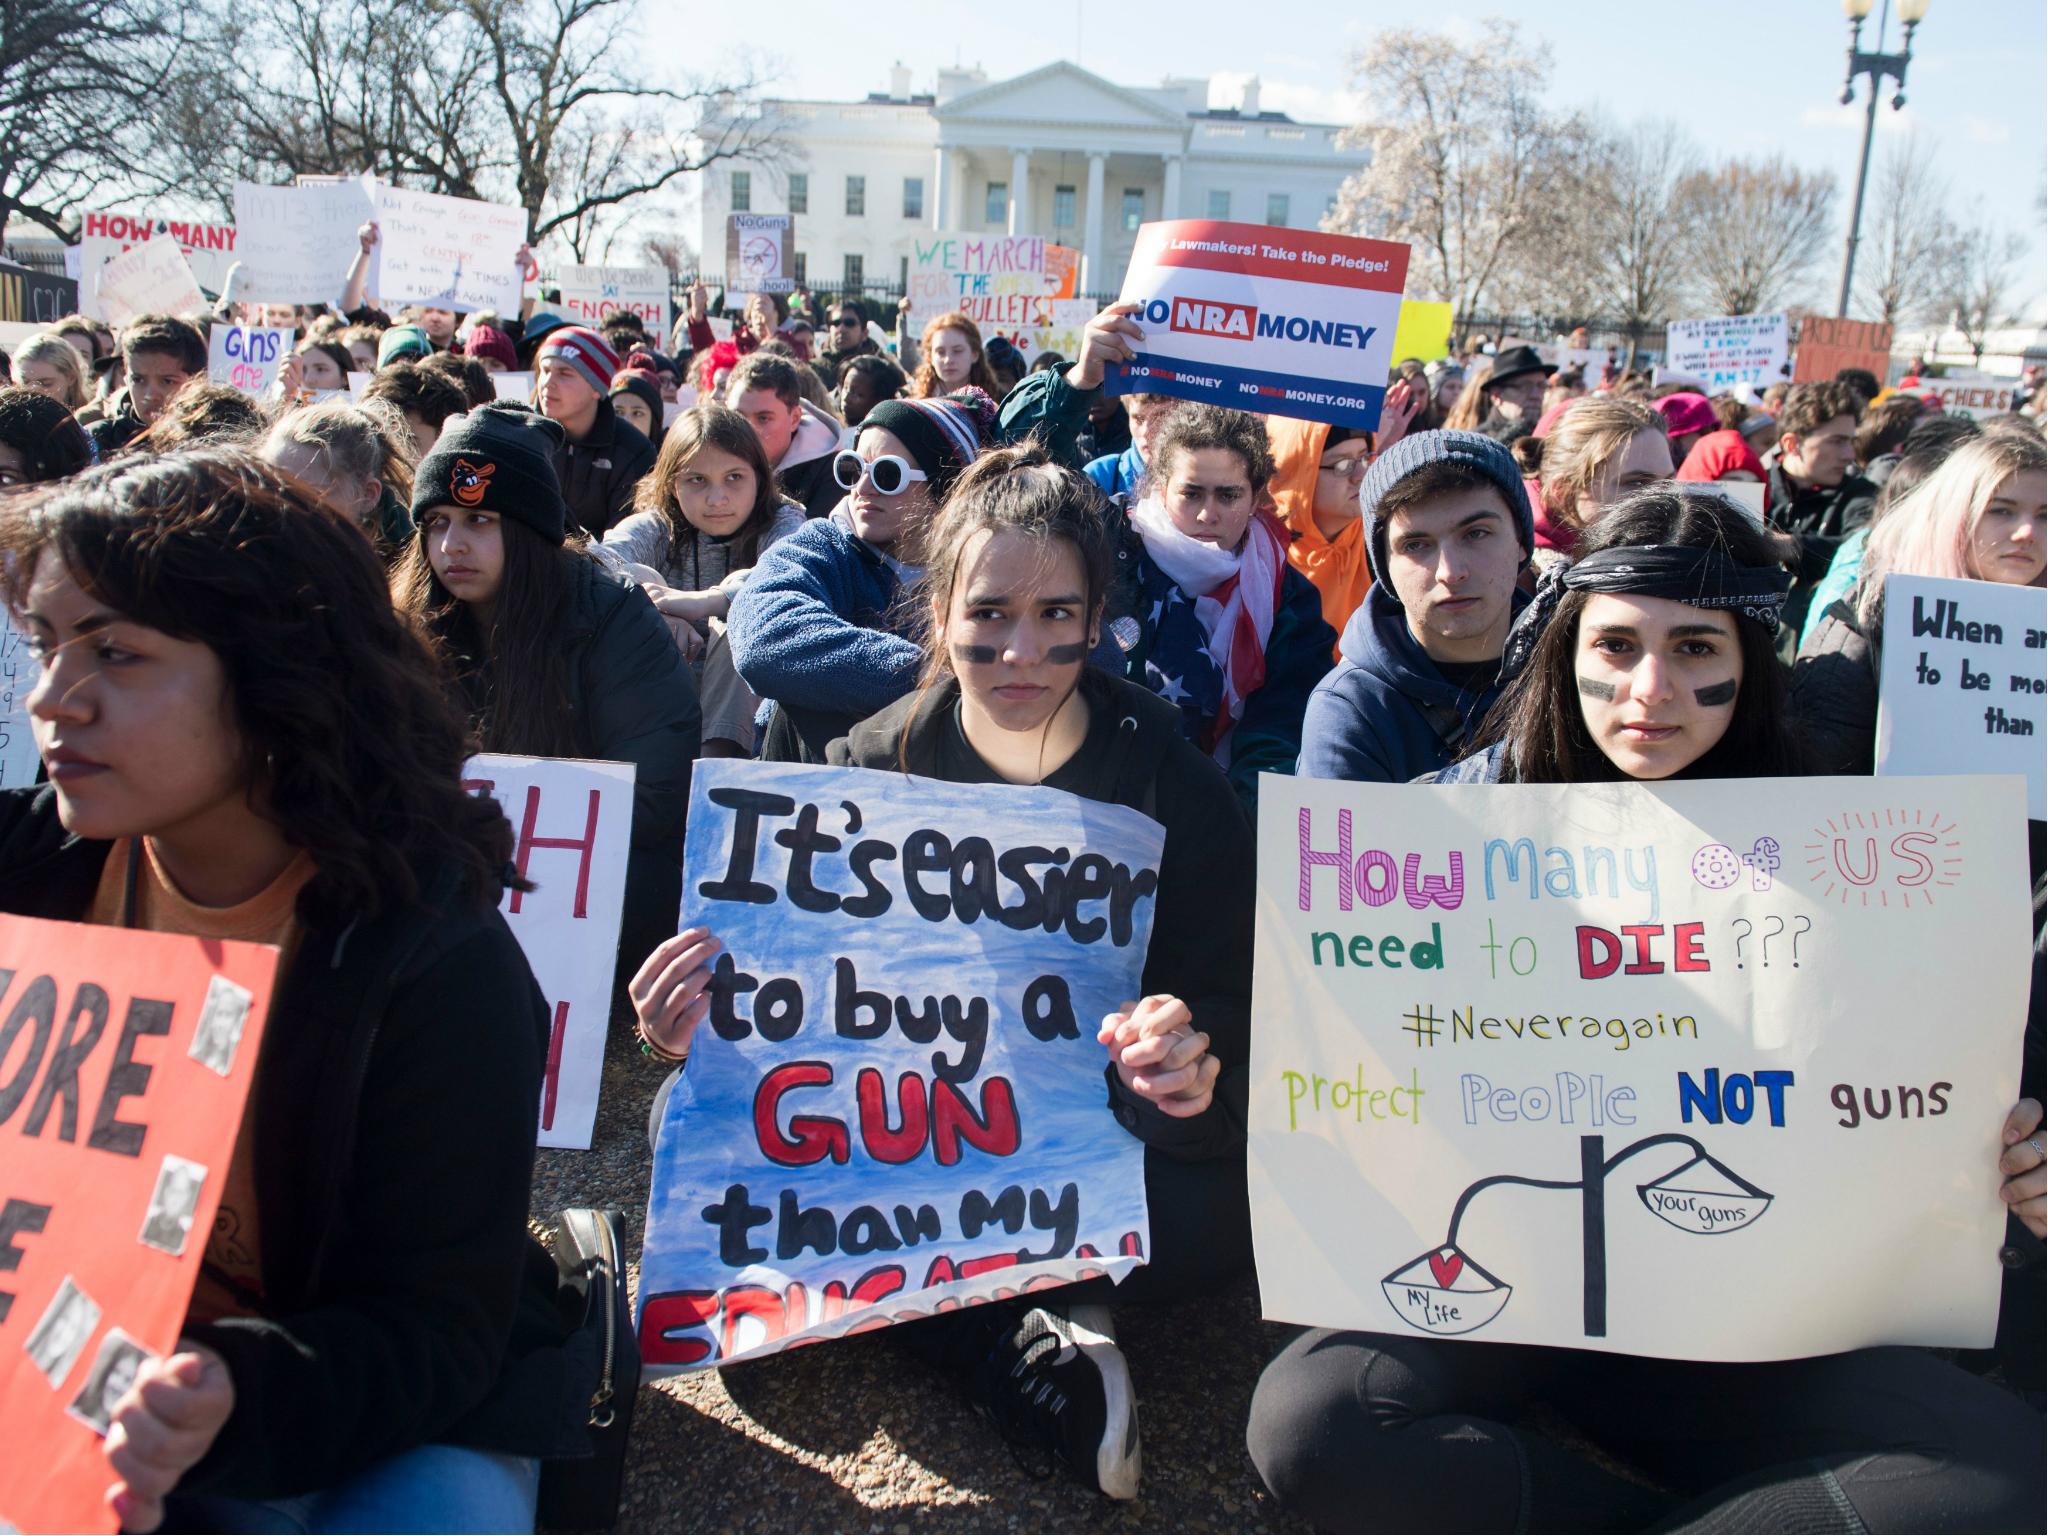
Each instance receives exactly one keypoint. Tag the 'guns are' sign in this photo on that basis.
(1711, 1071)
(897, 1103)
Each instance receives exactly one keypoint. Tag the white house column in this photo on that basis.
(1020, 178)
(1169, 206)
(942, 186)
(1092, 280)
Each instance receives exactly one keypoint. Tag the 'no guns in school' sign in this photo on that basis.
(1287, 322)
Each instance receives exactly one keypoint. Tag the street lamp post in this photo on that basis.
(1877, 66)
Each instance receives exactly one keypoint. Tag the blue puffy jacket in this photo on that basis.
(1117, 474)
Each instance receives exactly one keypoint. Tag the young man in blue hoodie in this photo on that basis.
(1448, 529)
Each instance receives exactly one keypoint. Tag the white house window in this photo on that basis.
(799, 192)
(913, 197)
(1219, 204)
(1134, 207)
(997, 210)
(1276, 208)
(852, 281)
(800, 264)
(1062, 207)
(742, 191)
(856, 198)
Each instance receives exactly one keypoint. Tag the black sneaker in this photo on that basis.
(1057, 1382)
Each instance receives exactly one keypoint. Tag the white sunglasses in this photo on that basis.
(890, 474)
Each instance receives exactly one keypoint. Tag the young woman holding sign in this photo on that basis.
(245, 742)
(1654, 660)
(1020, 563)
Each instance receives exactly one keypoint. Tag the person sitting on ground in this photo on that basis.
(362, 342)
(272, 758)
(818, 632)
(1815, 493)
(466, 373)
(948, 357)
(1021, 564)
(492, 347)
(1658, 663)
(553, 654)
(704, 518)
(798, 438)
(1978, 517)
(1688, 417)
(39, 440)
(47, 363)
(600, 458)
(1725, 453)
(159, 353)
(849, 339)
(1513, 389)
(1865, 384)
(357, 458)
(1596, 453)
(864, 383)
(1448, 531)
(1881, 435)
(204, 412)
(403, 344)
(636, 396)
(426, 400)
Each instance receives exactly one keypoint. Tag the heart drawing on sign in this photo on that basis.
(1446, 1266)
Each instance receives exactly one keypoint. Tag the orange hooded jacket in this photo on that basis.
(1338, 568)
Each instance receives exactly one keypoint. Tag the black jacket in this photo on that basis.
(110, 434)
(1201, 949)
(395, 1106)
(598, 474)
(1834, 692)
(1820, 517)
(829, 365)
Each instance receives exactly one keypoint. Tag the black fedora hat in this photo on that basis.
(1517, 361)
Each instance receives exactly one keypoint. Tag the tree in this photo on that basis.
(1755, 228)
(1638, 235)
(666, 248)
(1899, 261)
(1464, 160)
(1976, 279)
(78, 90)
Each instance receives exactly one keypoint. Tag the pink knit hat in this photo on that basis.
(1688, 412)
(584, 350)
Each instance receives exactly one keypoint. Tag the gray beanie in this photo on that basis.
(1423, 449)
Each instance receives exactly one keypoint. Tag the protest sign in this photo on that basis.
(18, 675)
(1706, 1071)
(150, 279)
(1746, 494)
(1284, 321)
(448, 252)
(591, 293)
(1062, 272)
(513, 386)
(130, 1054)
(1963, 681)
(1729, 349)
(574, 823)
(757, 253)
(247, 357)
(1970, 394)
(358, 382)
(209, 249)
(1422, 332)
(896, 1105)
(29, 297)
(297, 243)
(1003, 283)
(1827, 346)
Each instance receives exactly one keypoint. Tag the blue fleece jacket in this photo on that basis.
(813, 627)
(1370, 720)
(1117, 474)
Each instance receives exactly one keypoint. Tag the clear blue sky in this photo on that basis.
(1746, 76)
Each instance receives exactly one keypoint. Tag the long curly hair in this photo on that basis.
(350, 741)
(928, 383)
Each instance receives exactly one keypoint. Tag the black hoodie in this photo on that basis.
(1201, 949)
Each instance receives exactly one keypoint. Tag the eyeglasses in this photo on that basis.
(889, 474)
(1347, 466)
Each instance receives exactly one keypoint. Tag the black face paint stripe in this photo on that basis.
(1717, 693)
(1066, 655)
(1596, 690)
(986, 655)
(975, 655)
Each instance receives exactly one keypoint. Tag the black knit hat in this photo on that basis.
(49, 439)
(944, 434)
(499, 458)
(1423, 449)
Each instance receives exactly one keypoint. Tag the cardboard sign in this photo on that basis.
(150, 279)
(19, 672)
(29, 297)
(1062, 271)
(591, 293)
(1827, 346)
(1729, 349)
(1287, 322)
(448, 252)
(247, 356)
(1005, 284)
(757, 254)
(1423, 331)
(896, 1105)
(209, 250)
(1611, 1066)
(298, 242)
(1964, 681)
(1977, 395)
(574, 824)
(128, 1056)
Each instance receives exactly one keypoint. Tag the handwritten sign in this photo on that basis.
(574, 824)
(449, 252)
(130, 1056)
(1729, 349)
(298, 242)
(19, 673)
(897, 1104)
(150, 279)
(1611, 1066)
(1283, 321)
(589, 294)
(247, 357)
(1964, 681)
(209, 250)
(1826, 346)
(29, 297)
(1003, 283)
(1977, 395)
(757, 253)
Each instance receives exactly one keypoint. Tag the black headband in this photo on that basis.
(1702, 578)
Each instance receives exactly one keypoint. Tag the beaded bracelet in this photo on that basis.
(655, 1053)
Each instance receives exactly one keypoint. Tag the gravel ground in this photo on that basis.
(858, 1436)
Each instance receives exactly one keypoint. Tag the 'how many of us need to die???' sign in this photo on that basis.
(1711, 1071)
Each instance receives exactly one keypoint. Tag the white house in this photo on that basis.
(1058, 152)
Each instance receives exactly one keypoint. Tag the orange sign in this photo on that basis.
(1062, 271)
(1827, 345)
(125, 1058)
